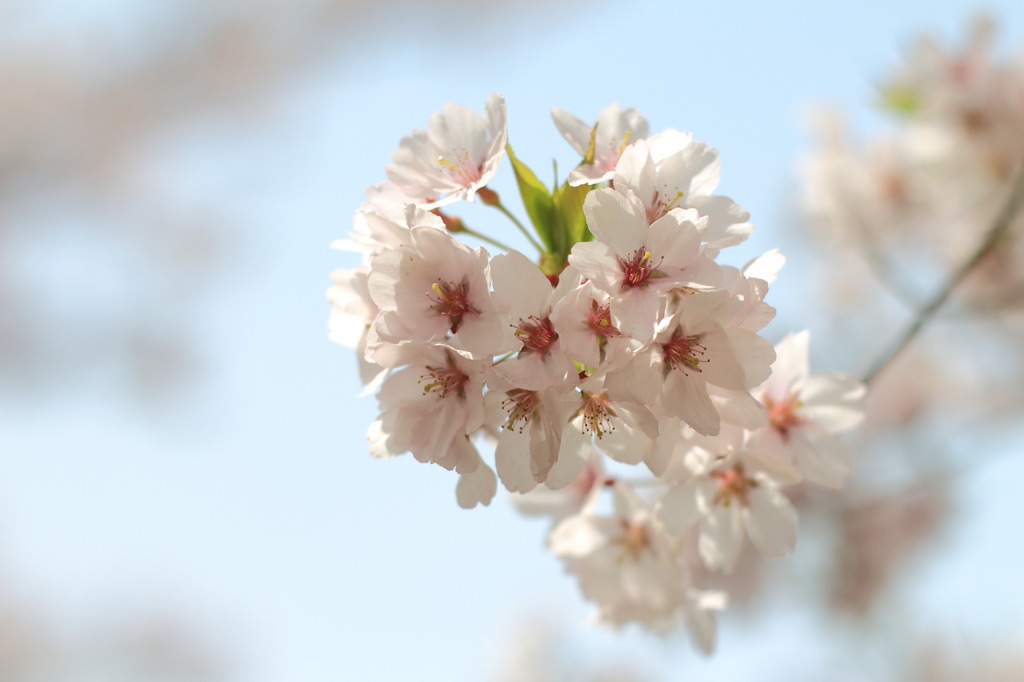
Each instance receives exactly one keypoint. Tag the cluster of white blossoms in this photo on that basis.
(936, 182)
(624, 345)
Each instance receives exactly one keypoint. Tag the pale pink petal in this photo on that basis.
(834, 402)
(721, 538)
(616, 220)
(476, 487)
(823, 458)
(512, 459)
(771, 521)
(678, 508)
(687, 398)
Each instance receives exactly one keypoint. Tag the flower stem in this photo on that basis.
(526, 233)
(996, 232)
(485, 238)
(490, 198)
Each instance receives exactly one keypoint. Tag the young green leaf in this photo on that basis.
(536, 198)
(570, 223)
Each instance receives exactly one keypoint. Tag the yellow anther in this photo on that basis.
(589, 156)
(670, 205)
(625, 140)
(445, 162)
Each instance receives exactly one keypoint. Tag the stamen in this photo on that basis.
(625, 140)
(671, 204)
(445, 162)
(452, 301)
(662, 205)
(465, 171)
(536, 334)
(733, 484)
(600, 320)
(445, 380)
(520, 405)
(683, 352)
(634, 539)
(597, 415)
(637, 268)
(781, 414)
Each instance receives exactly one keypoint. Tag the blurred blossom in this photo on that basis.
(150, 649)
(945, 659)
(878, 539)
(537, 649)
(927, 209)
(93, 114)
(936, 183)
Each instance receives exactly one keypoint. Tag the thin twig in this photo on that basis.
(484, 238)
(501, 207)
(995, 233)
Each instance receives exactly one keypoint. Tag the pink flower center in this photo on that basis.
(634, 538)
(733, 484)
(536, 334)
(445, 381)
(452, 301)
(683, 352)
(461, 167)
(781, 414)
(600, 320)
(637, 268)
(663, 203)
(520, 405)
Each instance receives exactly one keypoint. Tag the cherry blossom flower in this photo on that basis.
(669, 171)
(694, 347)
(805, 412)
(727, 503)
(352, 316)
(523, 289)
(530, 438)
(584, 324)
(626, 563)
(614, 130)
(634, 262)
(455, 156)
(431, 408)
(434, 286)
(618, 428)
(581, 496)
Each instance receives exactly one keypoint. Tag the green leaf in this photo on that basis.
(901, 100)
(570, 223)
(536, 198)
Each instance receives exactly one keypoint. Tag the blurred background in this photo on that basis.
(185, 490)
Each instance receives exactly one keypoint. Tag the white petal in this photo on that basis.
(512, 459)
(616, 220)
(476, 487)
(721, 538)
(687, 397)
(789, 371)
(678, 508)
(832, 401)
(700, 623)
(771, 521)
(823, 458)
(572, 456)
(578, 536)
